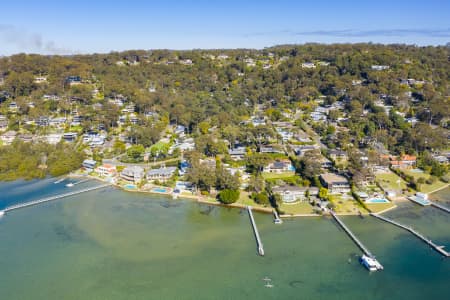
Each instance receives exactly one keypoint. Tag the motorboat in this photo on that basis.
(370, 263)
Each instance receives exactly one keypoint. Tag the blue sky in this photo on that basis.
(83, 26)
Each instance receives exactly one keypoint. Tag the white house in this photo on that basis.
(291, 194)
(161, 174)
(132, 174)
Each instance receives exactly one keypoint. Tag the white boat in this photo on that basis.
(268, 285)
(370, 263)
(2, 213)
(70, 184)
(59, 180)
(278, 221)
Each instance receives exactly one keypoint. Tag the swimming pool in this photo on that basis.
(130, 186)
(377, 200)
(159, 190)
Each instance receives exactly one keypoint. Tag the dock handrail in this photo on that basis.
(255, 231)
(35, 202)
(352, 236)
(439, 249)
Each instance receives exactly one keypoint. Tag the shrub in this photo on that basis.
(228, 196)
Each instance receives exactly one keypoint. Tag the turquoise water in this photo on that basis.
(159, 190)
(109, 244)
(130, 186)
(377, 200)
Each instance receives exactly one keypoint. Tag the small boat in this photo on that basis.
(2, 213)
(59, 180)
(278, 221)
(267, 279)
(70, 184)
(370, 263)
(268, 285)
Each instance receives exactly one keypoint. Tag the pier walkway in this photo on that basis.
(352, 236)
(277, 219)
(35, 202)
(446, 209)
(439, 249)
(255, 230)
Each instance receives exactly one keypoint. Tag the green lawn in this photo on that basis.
(377, 207)
(390, 181)
(278, 175)
(297, 208)
(244, 199)
(425, 188)
(346, 206)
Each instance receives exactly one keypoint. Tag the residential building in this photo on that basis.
(53, 138)
(132, 174)
(335, 183)
(336, 154)
(3, 123)
(27, 138)
(70, 136)
(279, 167)
(291, 194)
(89, 164)
(40, 79)
(8, 137)
(106, 170)
(379, 67)
(73, 80)
(404, 161)
(161, 174)
(308, 65)
(237, 153)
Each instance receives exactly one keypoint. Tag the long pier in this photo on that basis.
(439, 249)
(351, 235)
(444, 208)
(255, 230)
(35, 202)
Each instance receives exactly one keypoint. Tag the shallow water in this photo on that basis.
(110, 244)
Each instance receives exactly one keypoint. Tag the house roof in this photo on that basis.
(162, 171)
(333, 178)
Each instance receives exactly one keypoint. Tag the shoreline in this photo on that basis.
(203, 200)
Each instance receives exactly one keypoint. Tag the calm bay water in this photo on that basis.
(109, 244)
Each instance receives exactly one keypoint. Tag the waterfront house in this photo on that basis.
(89, 164)
(132, 174)
(335, 183)
(106, 170)
(289, 193)
(161, 174)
